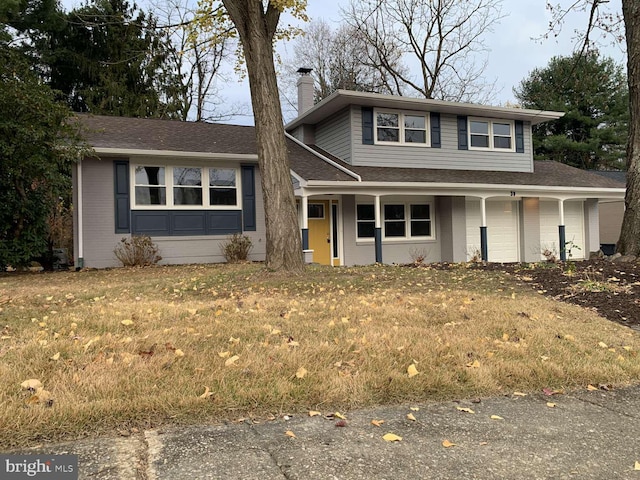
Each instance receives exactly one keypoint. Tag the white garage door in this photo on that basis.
(574, 228)
(502, 230)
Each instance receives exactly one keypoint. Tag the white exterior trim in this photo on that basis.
(176, 154)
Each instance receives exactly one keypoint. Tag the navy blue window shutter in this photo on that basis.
(463, 143)
(519, 136)
(435, 130)
(121, 196)
(367, 125)
(248, 198)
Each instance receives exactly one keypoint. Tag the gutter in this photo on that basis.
(322, 157)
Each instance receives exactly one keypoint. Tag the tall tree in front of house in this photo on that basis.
(110, 58)
(256, 22)
(37, 147)
(593, 93)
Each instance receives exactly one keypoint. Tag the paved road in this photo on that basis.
(587, 435)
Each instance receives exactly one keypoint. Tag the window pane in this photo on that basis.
(149, 175)
(151, 196)
(420, 212)
(187, 196)
(222, 177)
(316, 210)
(366, 229)
(415, 136)
(366, 212)
(387, 120)
(501, 142)
(414, 121)
(394, 212)
(388, 135)
(222, 196)
(394, 229)
(479, 127)
(481, 141)
(187, 176)
(420, 228)
(503, 129)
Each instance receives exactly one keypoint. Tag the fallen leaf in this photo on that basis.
(56, 356)
(127, 322)
(178, 352)
(231, 361)
(627, 348)
(377, 423)
(591, 388)
(551, 405)
(339, 415)
(31, 384)
(496, 417)
(411, 417)
(571, 338)
(412, 370)
(519, 394)
(301, 372)
(603, 345)
(474, 364)
(391, 437)
(289, 433)
(314, 413)
(224, 354)
(465, 409)
(448, 444)
(414, 409)
(341, 423)
(637, 466)
(207, 393)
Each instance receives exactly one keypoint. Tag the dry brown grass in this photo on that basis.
(337, 338)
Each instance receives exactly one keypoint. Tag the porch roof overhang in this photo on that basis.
(341, 99)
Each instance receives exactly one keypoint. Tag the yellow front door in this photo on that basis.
(320, 231)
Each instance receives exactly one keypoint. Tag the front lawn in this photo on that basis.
(125, 349)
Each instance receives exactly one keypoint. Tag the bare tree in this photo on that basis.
(340, 59)
(200, 55)
(440, 39)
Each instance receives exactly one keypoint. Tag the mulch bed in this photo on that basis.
(610, 288)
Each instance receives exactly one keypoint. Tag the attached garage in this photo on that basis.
(574, 228)
(502, 230)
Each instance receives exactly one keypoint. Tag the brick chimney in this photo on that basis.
(305, 90)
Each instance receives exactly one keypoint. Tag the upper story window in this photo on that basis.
(491, 135)
(157, 186)
(401, 128)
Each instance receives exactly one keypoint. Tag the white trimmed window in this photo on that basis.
(405, 128)
(400, 220)
(183, 187)
(491, 135)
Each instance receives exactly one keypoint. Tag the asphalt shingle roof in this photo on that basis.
(172, 135)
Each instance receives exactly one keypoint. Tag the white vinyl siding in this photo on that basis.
(502, 230)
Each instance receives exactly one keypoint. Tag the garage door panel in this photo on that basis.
(502, 230)
(574, 227)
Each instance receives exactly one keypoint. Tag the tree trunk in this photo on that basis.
(629, 243)
(256, 28)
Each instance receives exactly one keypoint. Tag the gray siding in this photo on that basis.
(98, 214)
(358, 252)
(591, 227)
(99, 219)
(451, 214)
(611, 214)
(448, 156)
(333, 135)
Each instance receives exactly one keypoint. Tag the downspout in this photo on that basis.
(79, 213)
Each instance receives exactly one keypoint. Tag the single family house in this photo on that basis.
(377, 178)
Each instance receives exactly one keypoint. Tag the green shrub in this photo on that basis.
(137, 251)
(236, 248)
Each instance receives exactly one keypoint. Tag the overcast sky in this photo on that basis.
(513, 51)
